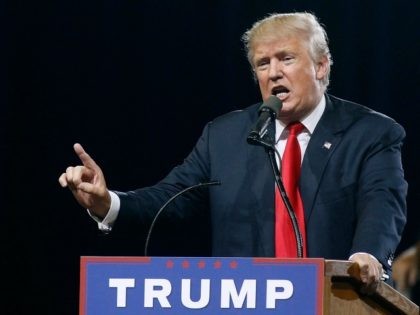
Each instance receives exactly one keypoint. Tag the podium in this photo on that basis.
(230, 285)
(342, 294)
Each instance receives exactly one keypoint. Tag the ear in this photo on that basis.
(322, 67)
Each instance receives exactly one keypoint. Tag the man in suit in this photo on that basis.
(351, 187)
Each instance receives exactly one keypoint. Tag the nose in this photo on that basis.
(275, 71)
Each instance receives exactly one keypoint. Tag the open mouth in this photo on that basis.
(280, 91)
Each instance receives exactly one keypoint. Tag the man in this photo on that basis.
(350, 201)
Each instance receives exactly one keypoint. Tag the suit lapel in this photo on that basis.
(324, 140)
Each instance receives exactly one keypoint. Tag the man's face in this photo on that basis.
(284, 68)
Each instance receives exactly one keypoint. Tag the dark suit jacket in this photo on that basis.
(353, 192)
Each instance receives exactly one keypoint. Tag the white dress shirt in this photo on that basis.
(310, 122)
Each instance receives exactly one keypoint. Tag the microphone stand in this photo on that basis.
(259, 136)
(283, 194)
(167, 203)
(267, 143)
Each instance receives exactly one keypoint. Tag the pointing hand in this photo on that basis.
(87, 183)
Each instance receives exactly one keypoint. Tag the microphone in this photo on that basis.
(268, 111)
(149, 233)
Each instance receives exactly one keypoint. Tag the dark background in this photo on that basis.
(135, 82)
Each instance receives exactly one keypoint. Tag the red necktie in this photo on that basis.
(290, 169)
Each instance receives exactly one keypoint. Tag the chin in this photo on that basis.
(287, 108)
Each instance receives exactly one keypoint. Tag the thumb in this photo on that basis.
(89, 188)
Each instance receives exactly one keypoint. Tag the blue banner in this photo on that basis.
(205, 286)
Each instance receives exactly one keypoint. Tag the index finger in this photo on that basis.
(84, 157)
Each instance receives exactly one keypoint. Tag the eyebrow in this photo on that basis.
(279, 55)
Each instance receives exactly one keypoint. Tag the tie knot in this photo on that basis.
(295, 128)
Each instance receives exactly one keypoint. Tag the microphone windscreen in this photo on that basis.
(273, 103)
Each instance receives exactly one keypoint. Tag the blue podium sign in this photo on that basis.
(198, 285)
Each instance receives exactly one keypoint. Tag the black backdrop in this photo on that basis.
(135, 82)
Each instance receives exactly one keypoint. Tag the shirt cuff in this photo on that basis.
(363, 253)
(105, 225)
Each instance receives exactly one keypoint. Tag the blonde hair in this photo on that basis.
(301, 24)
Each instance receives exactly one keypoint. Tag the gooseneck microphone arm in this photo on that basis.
(149, 233)
(285, 198)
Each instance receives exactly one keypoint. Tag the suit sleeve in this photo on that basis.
(381, 202)
(138, 207)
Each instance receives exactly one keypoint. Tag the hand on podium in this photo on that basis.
(370, 271)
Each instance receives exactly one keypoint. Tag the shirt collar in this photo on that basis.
(310, 121)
